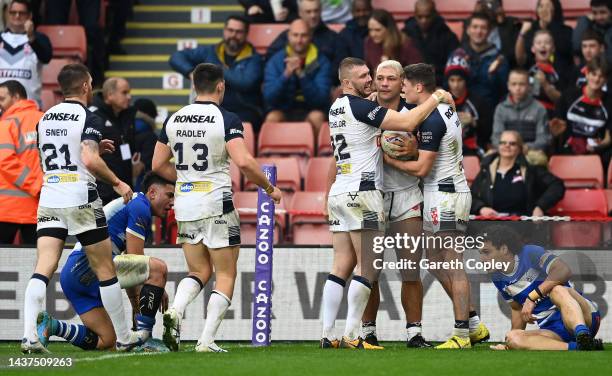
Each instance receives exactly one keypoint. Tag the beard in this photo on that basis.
(232, 45)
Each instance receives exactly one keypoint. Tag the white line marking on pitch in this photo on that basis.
(115, 356)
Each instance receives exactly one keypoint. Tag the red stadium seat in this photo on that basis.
(609, 199)
(308, 222)
(576, 8)
(400, 9)
(312, 233)
(246, 204)
(286, 139)
(316, 174)
(236, 176)
(582, 203)
(456, 9)
(578, 171)
(520, 8)
(456, 27)
(67, 40)
(49, 99)
(324, 147)
(610, 175)
(287, 173)
(262, 35)
(471, 167)
(50, 72)
(249, 137)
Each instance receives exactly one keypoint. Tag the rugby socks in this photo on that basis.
(358, 294)
(332, 297)
(218, 304)
(33, 304)
(110, 293)
(187, 290)
(368, 328)
(413, 329)
(462, 328)
(474, 321)
(572, 346)
(150, 300)
(78, 335)
(580, 329)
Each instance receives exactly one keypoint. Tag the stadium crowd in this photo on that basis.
(540, 83)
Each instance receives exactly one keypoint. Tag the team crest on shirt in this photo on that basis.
(434, 216)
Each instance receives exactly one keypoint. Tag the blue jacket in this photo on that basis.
(354, 37)
(242, 78)
(309, 92)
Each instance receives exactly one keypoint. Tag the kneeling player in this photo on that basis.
(129, 225)
(537, 287)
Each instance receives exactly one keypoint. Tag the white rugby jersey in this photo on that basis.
(197, 134)
(19, 62)
(354, 128)
(395, 180)
(441, 132)
(66, 181)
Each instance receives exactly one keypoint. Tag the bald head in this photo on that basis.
(116, 93)
(424, 13)
(299, 36)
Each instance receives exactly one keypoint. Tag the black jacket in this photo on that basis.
(354, 36)
(121, 130)
(508, 31)
(436, 47)
(543, 188)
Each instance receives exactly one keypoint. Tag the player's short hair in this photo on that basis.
(479, 16)
(599, 63)
(591, 34)
(423, 74)
(500, 235)
(25, 3)
(206, 76)
(519, 71)
(15, 88)
(71, 77)
(347, 64)
(393, 64)
(239, 18)
(152, 178)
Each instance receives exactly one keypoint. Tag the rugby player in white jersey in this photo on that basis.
(447, 197)
(68, 138)
(355, 203)
(202, 137)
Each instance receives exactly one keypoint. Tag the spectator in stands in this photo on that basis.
(119, 11)
(488, 67)
(356, 30)
(600, 20)
(592, 45)
(582, 122)
(508, 185)
(504, 31)
(23, 51)
(336, 11)
(386, 42)
(58, 12)
(520, 112)
(145, 137)
(269, 11)
(431, 36)
(475, 115)
(549, 17)
(548, 76)
(327, 41)
(20, 172)
(242, 69)
(113, 106)
(297, 80)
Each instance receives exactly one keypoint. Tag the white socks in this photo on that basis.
(332, 297)
(186, 291)
(358, 294)
(474, 321)
(112, 299)
(33, 304)
(218, 304)
(414, 330)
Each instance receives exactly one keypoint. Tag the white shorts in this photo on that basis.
(353, 211)
(76, 220)
(214, 232)
(446, 211)
(401, 205)
(132, 270)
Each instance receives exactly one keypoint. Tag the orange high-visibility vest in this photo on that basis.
(20, 171)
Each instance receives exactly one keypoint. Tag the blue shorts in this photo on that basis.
(555, 324)
(80, 284)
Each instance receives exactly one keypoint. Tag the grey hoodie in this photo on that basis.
(527, 117)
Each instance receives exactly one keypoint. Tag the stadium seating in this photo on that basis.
(262, 35)
(236, 176)
(315, 179)
(68, 41)
(246, 203)
(610, 175)
(49, 99)
(324, 147)
(609, 199)
(286, 139)
(471, 167)
(400, 9)
(578, 171)
(456, 27)
(575, 8)
(582, 203)
(307, 219)
(287, 173)
(249, 137)
(50, 72)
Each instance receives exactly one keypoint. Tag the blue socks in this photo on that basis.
(78, 335)
(580, 329)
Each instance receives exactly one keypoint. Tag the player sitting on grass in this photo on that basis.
(128, 226)
(537, 287)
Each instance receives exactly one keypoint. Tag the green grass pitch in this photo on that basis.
(304, 358)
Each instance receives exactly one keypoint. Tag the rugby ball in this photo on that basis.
(390, 140)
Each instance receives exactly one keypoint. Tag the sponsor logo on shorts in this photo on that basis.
(188, 236)
(353, 196)
(62, 178)
(220, 222)
(47, 219)
(434, 216)
(353, 205)
(86, 206)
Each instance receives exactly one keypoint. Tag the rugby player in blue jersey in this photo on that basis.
(129, 225)
(538, 288)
